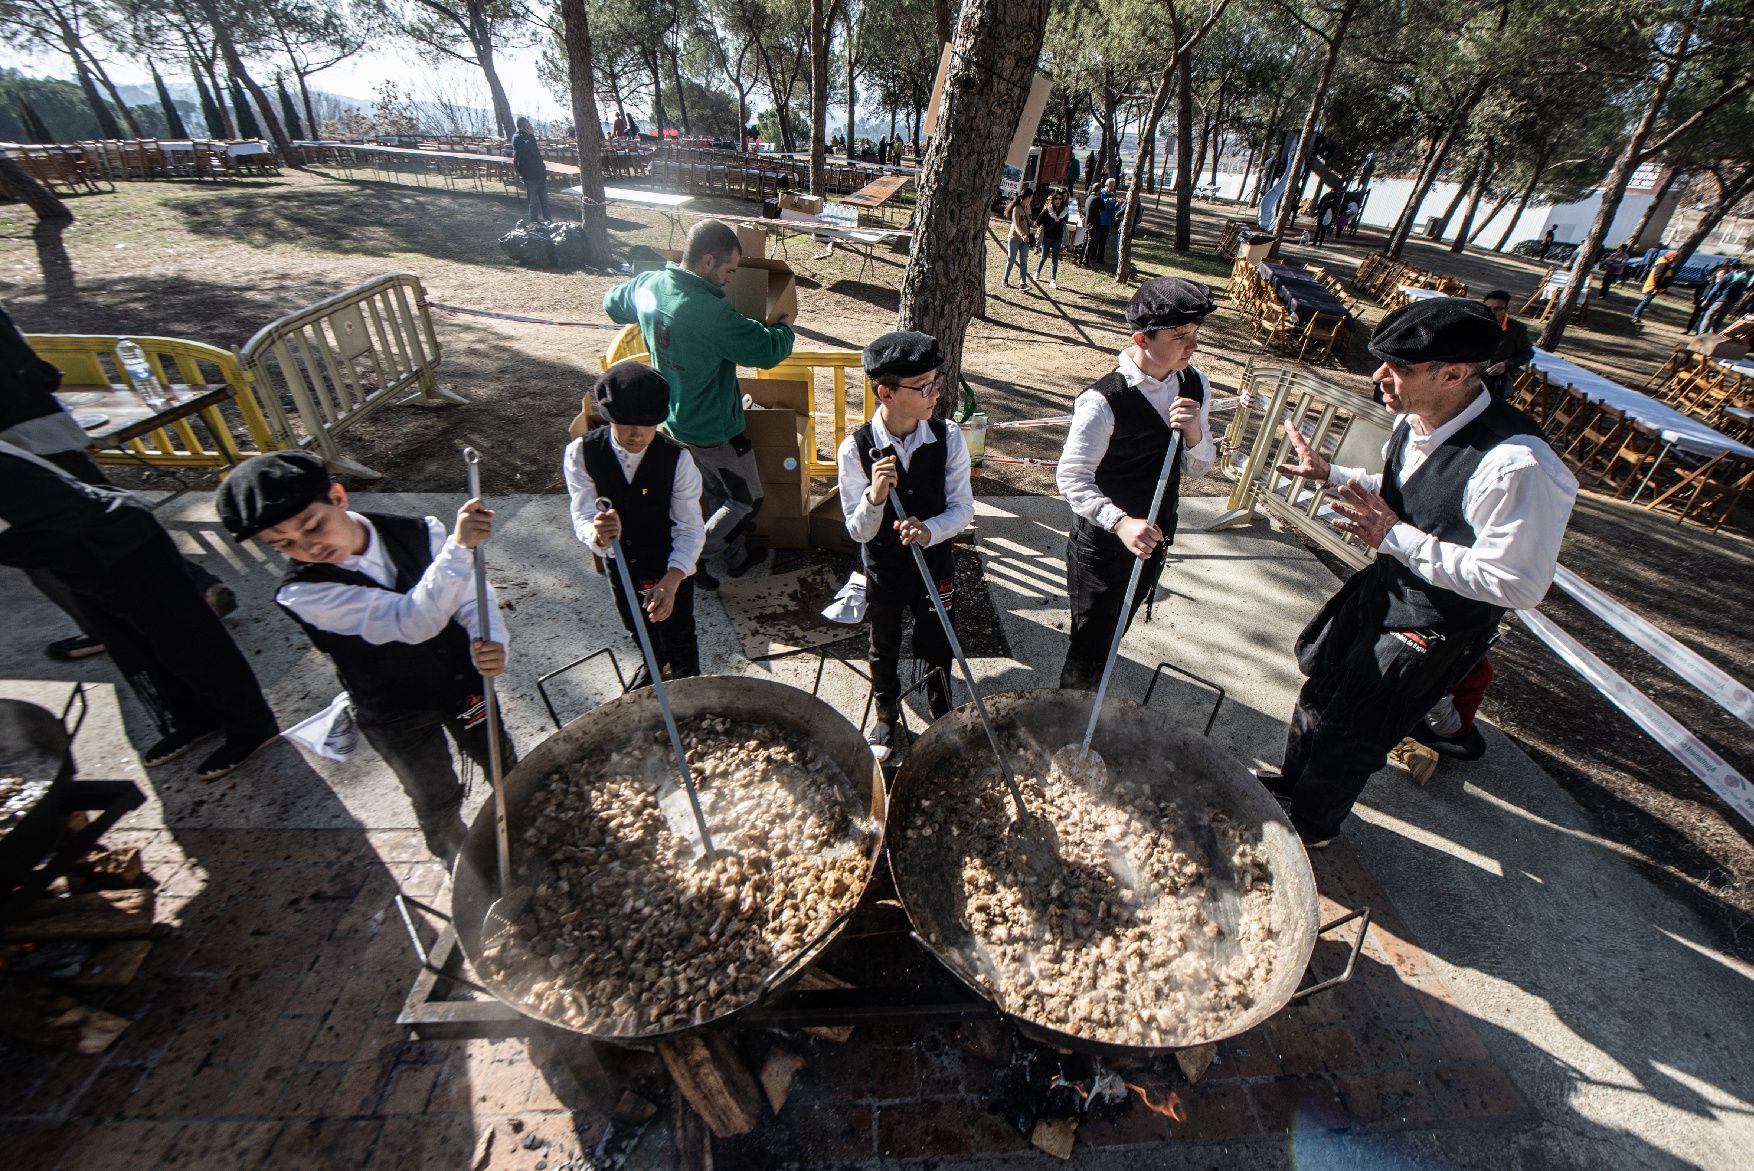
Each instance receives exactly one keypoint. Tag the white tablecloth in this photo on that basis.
(1684, 431)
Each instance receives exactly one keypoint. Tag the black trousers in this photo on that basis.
(155, 622)
(891, 593)
(81, 466)
(1097, 568)
(1096, 246)
(673, 640)
(413, 745)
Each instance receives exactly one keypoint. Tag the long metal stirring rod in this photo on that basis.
(645, 647)
(495, 753)
(1114, 645)
(962, 660)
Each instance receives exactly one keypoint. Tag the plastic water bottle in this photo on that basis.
(139, 372)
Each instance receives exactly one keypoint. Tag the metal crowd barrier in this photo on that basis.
(1343, 425)
(342, 358)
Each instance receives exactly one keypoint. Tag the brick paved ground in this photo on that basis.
(264, 1035)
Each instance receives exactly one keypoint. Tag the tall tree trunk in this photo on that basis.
(1458, 120)
(1336, 38)
(173, 117)
(1480, 181)
(1200, 152)
(304, 93)
(1729, 196)
(210, 111)
(233, 62)
(1184, 152)
(107, 126)
(1522, 203)
(103, 77)
(1130, 221)
(481, 40)
(1657, 197)
(819, 42)
(1427, 166)
(998, 43)
(657, 71)
(852, 87)
(1614, 187)
(228, 127)
(1464, 184)
(681, 91)
(942, 13)
(1486, 220)
(21, 185)
(588, 129)
(1248, 165)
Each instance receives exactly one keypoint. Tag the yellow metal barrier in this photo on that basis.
(802, 366)
(239, 427)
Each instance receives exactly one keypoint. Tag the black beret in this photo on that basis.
(633, 394)
(902, 354)
(267, 489)
(1438, 329)
(1164, 302)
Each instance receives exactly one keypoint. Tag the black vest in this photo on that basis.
(920, 489)
(1127, 473)
(644, 505)
(387, 679)
(1432, 501)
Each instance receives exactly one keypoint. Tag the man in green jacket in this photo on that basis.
(697, 339)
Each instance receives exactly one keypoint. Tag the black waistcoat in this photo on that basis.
(920, 488)
(1127, 473)
(1432, 501)
(644, 504)
(387, 679)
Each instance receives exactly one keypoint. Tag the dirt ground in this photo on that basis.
(216, 262)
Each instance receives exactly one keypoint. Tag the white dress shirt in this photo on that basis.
(1093, 423)
(865, 520)
(1518, 501)
(687, 528)
(445, 591)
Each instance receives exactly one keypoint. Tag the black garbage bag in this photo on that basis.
(529, 245)
(570, 247)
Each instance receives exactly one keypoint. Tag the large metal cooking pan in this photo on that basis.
(1135, 743)
(634, 717)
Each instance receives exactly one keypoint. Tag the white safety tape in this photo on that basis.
(459, 310)
(1726, 691)
(1019, 459)
(1658, 724)
(1049, 421)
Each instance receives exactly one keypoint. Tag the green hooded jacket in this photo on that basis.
(697, 339)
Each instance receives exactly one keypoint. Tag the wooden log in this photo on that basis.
(1195, 1061)
(694, 1144)
(1055, 1136)
(812, 981)
(776, 1076)
(114, 965)
(113, 868)
(98, 914)
(714, 1080)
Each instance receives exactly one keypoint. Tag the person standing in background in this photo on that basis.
(527, 160)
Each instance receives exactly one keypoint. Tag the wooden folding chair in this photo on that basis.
(1595, 444)
(1569, 418)
(1272, 326)
(1621, 473)
(1708, 493)
(1320, 333)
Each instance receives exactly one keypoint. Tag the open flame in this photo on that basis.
(1170, 1108)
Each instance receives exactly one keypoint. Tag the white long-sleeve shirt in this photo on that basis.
(445, 591)
(1518, 501)
(1093, 424)
(687, 528)
(864, 519)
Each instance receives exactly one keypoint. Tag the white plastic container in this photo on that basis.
(132, 360)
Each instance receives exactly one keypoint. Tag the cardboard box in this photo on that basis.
(752, 239)
(763, 289)
(799, 201)
(786, 501)
(773, 532)
(792, 394)
(828, 526)
(778, 437)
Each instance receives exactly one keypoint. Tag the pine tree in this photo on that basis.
(173, 118)
(210, 111)
(33, 122)
(288, 111)
(248, 127)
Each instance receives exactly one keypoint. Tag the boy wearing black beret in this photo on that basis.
(653, 487)
(1466, 518)
(391, 600)
(924, 462)
(1120, 433)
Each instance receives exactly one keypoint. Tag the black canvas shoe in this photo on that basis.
(1469, 745)
(78, 646)
(229, 755)
(174, 745)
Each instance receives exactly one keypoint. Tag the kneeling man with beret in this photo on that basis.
(1121, 429)
(1466, 518)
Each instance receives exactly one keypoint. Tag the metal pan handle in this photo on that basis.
(403, 902)
(1363, 914)
(78, 695)
(542, 682)
(1158, 674)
